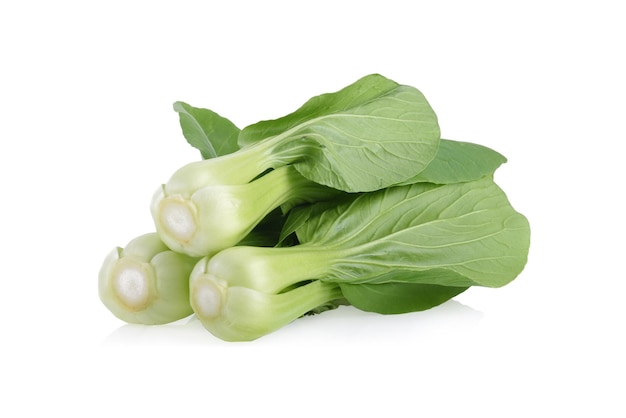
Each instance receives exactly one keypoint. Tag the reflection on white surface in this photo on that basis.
(344, 324)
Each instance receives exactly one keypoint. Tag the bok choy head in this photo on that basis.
(145, 282)
(432, 240)
(368, 136)
(221, 216)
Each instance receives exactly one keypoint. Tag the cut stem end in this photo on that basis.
(131, 284)
(178, 218)
(206, 298)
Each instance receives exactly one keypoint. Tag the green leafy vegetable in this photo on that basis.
(367, 136)
(352, 199)
(370, 135)
(456, 235)
(220, 216)
(145, 282)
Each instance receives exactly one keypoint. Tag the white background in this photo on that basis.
(87, 133)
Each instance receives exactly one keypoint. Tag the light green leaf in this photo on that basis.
(367, 136)
(468, 230)
(212, 134)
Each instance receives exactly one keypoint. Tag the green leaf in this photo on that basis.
(457, 162)
(367, 136)
(396, 298)
(469, 230)
(212, 134)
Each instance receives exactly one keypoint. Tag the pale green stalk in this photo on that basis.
(238, 313)
(239, 167)
(217, 217)
(272, 270)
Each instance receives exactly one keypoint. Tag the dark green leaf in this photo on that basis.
(396, 298)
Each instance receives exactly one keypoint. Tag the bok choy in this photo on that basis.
(145, 282)
(368, 136)
(456, 235)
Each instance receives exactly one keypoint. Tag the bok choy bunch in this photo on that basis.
(353, 199)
